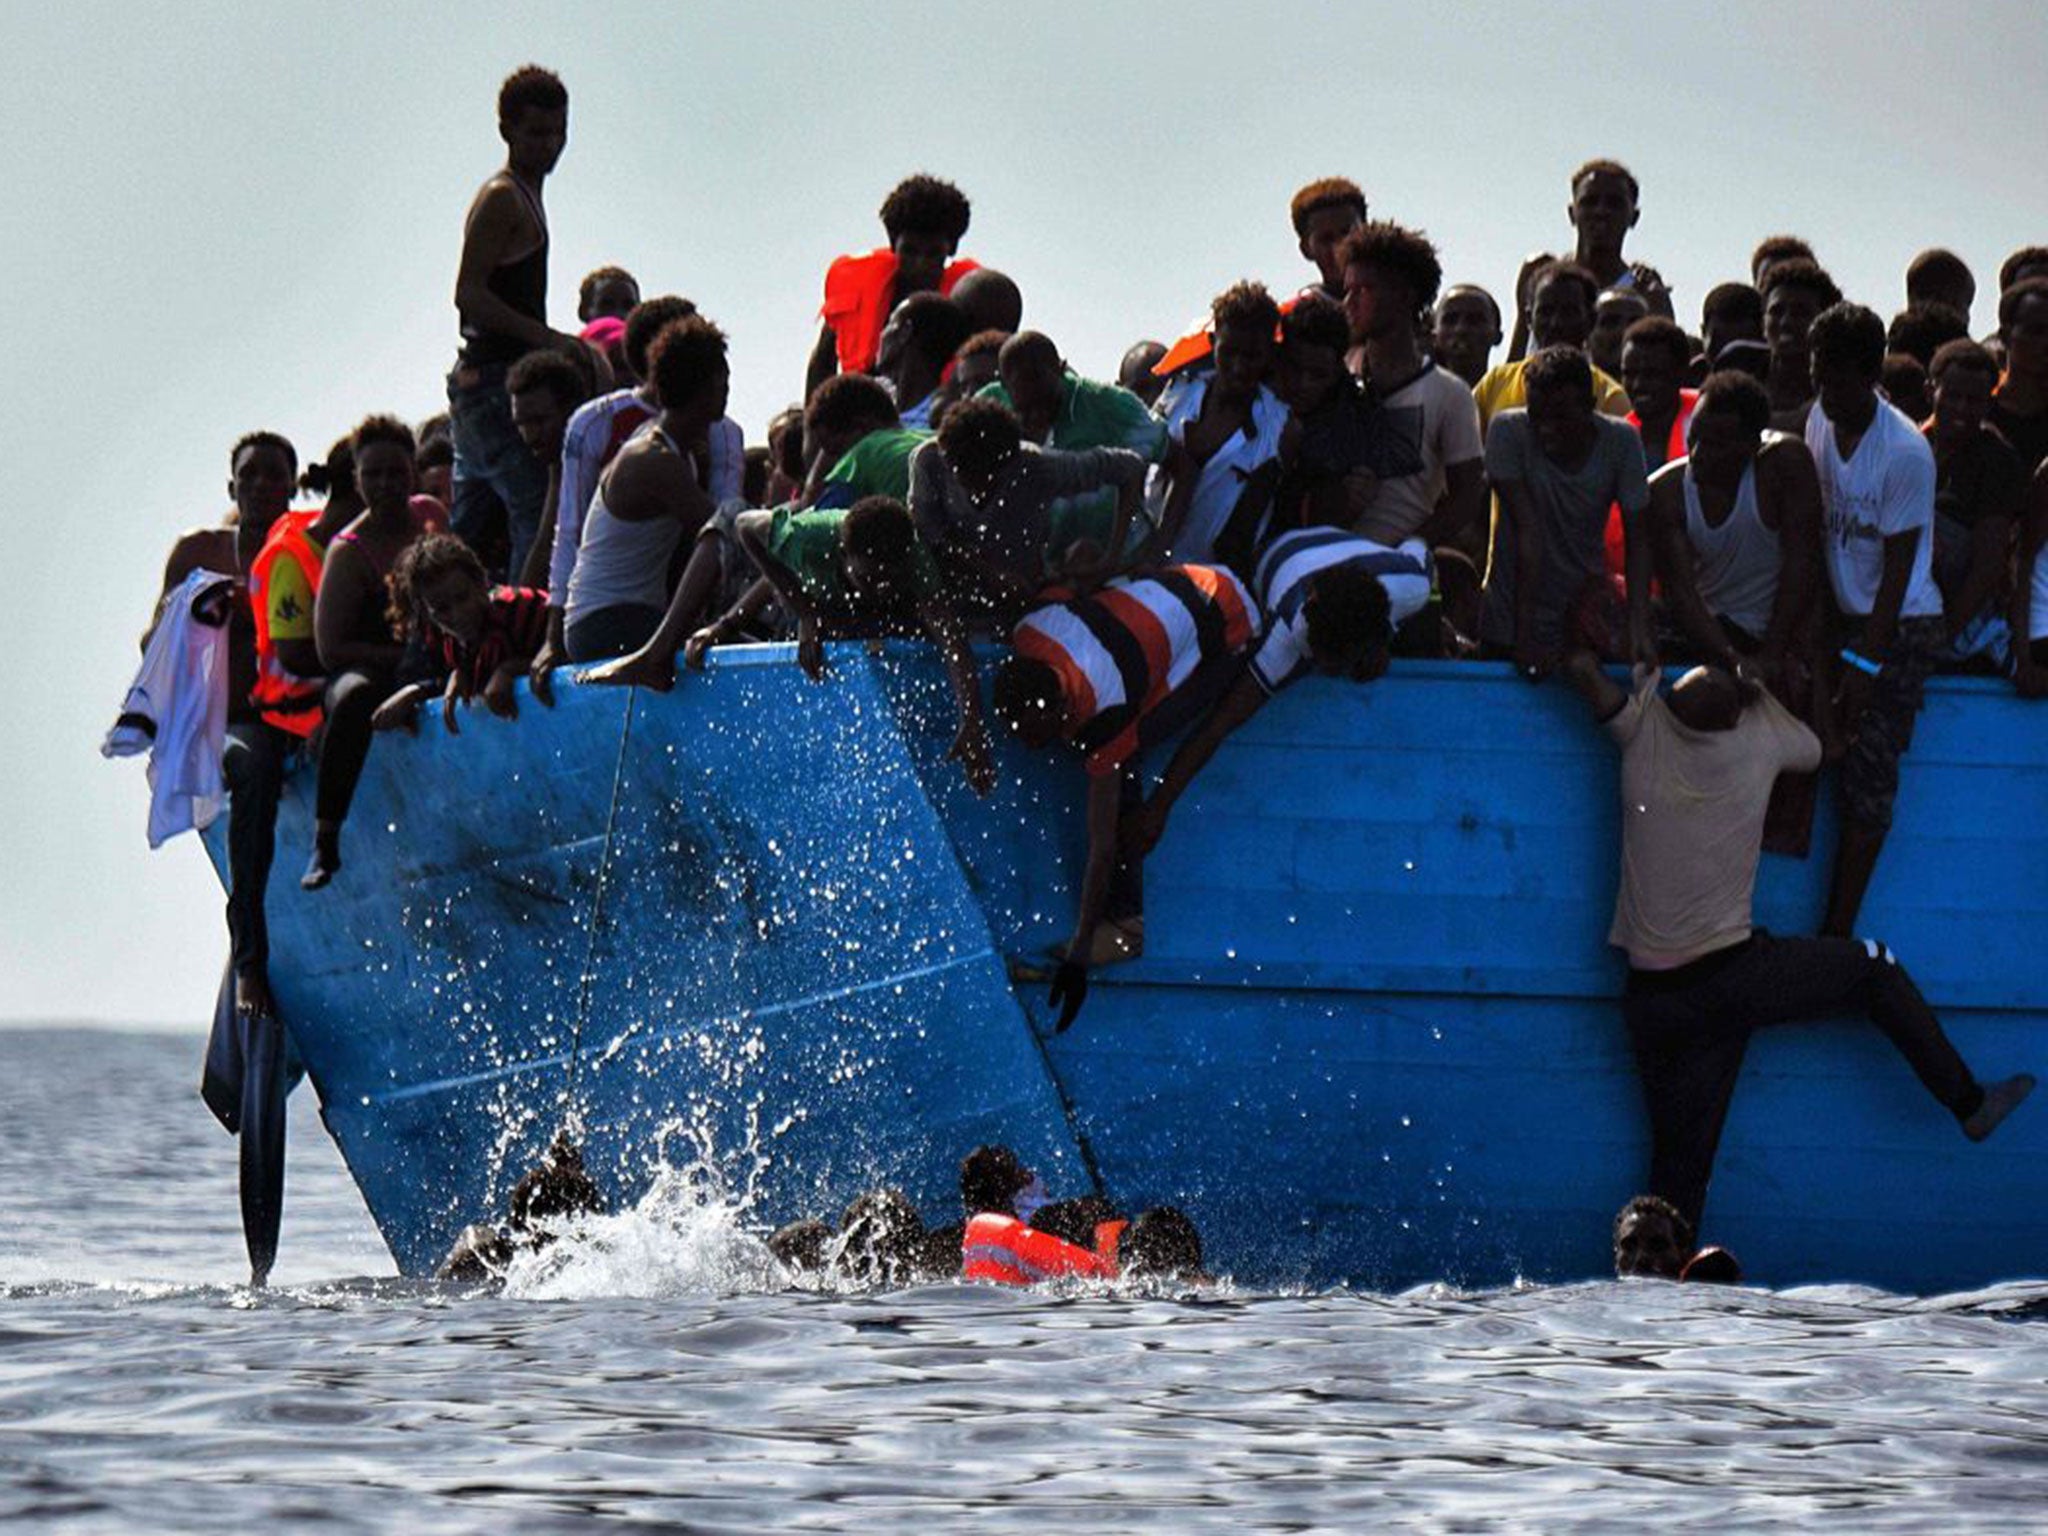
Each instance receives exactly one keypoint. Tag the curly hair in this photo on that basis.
(847, 401)
(1656, 331)
(1970, 356)
(1740, 394)
(426, 559)
(596, 279)
(338, 469)
(1773, 249)
(1347, 608)
(1570, 271)
(925, 205)
(1317, 321)
(545, 368)
(647, 320)
(937, 325)
(1608, 168)
(1326, 192)
(1850, 335)
(1801, 272)
(1244, 304)
(977, 436)
(382, 429)
(1919, 330)
(878, 528)
(1737, 303)
(684, 358)
(531, 88)
(1407, 253)
(1559, 368)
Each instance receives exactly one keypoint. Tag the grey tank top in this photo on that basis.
(622, 563)
(1735, 565)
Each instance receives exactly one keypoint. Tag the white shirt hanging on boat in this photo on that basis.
(176, 710)
(1885, 487)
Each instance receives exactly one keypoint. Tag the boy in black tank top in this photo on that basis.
(501, 297)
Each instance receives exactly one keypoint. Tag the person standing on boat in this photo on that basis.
(1795, 291)
(1112, 672)
(1696, 776)
(917, 344)
(501, 292)
(1464, 330)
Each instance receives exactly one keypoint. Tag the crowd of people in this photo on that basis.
(1817, 507)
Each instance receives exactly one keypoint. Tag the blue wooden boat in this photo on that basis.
(760, 925)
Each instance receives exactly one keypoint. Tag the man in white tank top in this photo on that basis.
(1737, 536)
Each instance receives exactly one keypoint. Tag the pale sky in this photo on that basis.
(221, 217)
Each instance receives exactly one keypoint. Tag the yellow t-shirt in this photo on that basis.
(288, 600)
(1502, 389)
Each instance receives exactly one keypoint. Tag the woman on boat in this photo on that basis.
(357, 648)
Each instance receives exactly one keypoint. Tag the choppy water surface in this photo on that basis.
(656, 1378)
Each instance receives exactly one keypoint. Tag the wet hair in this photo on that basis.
(1934, 270)
(846, 401)
(1970, 356)
(1773, 249)
(2009, 302)
(879, 529)
(1317, 321)
(1742, 394)
(1608, 168)
(1920, 329)
(594, 280)
(1849, 335)
(1407, 253)
(1327, 192)
(1246, 304)
(1492, 304)
(1074, 1221)
(937, 324)
(426, 559)
(2026, 256)
(262, 438)
(802, 1246)
(1022, 685)
(1801, 272)
(1657, 331)
(1732, 301)
(1904, 382)
(1163, 1243)
(685, 358)
(882, 1240)
(338, 469)
(1558, 368)
(382, 429)
(557, 1186)
(925, 205)
(647, 320)
(1346, 609)
(531, 88)
(1571, 271)
(977, 436)
(545, 368)
(1653, 1205)
(990, 1177)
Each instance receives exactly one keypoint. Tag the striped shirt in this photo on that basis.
(1282, 582)
(515, 624)
(1120, 652)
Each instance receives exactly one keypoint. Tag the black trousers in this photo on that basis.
(352, 698)
(252, 763)
(1691, 1026)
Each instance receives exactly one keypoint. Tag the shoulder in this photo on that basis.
(1668, 479)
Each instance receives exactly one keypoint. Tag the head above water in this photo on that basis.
(990, 1178)
(1651, 1239)
(1162, 1244)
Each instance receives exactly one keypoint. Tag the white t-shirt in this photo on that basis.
(1434, 411)
(1281, 586)
(1885, 487)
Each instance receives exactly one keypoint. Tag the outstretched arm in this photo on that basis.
(1590, 681)
(970, 742)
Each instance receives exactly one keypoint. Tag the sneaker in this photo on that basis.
(2000, 1100)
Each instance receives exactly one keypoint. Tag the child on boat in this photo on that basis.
(484, 636)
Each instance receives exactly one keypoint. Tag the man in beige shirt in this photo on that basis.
(1696, 776)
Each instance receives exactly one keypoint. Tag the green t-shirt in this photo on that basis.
(877, 465)
(807, 542)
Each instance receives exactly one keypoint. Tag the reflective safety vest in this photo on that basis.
(1004, 1250)
(283, 698)
(858, 290)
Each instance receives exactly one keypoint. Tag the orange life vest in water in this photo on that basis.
(285, 699)
(858, 291)
(1005, 1251)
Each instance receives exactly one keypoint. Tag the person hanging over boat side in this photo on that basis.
(925, 219)
(1111, 673)
(501, 290)
(1696, 775)
(1331, 602)
(482, 637)
(1653, 1241)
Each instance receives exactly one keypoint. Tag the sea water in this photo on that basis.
(657, 1373)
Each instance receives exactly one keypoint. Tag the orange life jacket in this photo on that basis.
(1675, 448)
(858, 291)
(285, 699)
(1005, 1251)
(1196, 346)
